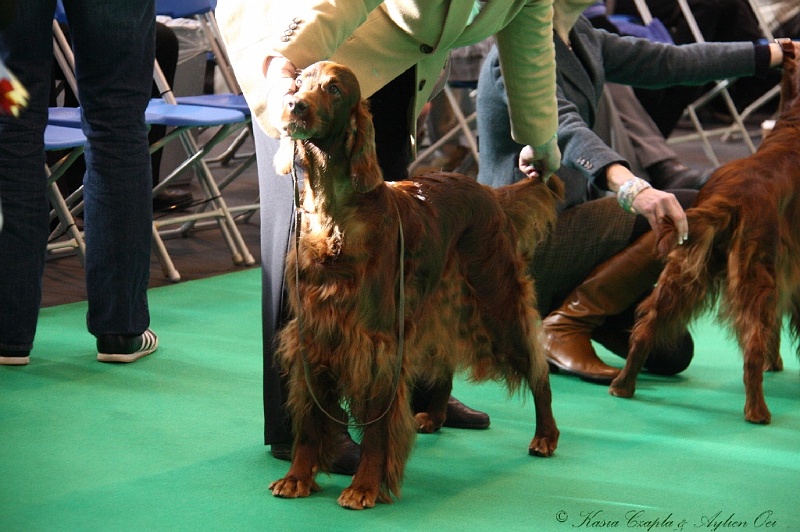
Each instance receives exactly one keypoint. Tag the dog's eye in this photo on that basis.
(298, 82)
(334, 89)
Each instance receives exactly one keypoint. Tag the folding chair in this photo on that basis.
(203, 12)
(65, 237)
(464, 126)
(184, 119)
(720, 89)
(775, 91)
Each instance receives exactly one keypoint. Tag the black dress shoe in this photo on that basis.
(345, 464)
(281, 451)
(460, 416)
(670, 175)
(349, 455)
(172, 198)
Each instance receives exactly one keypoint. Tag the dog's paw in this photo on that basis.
(357, 498)
(774, 365)
(292, 488)
(426, 424)
(543, 445)
(758, 413)
(618, 388)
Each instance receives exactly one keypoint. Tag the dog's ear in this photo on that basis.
(364, 170)
(284, 157)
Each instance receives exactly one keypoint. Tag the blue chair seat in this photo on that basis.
(62, 138)
(184, 8)
(163, 113)
(71, 116)
(224, 101)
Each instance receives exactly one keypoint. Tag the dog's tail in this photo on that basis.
(531, 204)
(712, 226)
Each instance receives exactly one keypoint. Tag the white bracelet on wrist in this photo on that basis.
(628, 192)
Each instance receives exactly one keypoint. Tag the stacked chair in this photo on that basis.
(65, 235)
(186, 121)
(720, 89)
(203, 12)
(464, 126)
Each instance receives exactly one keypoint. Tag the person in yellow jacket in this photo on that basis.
(398, 50)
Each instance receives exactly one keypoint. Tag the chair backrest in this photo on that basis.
(60, 14)
(184, 8)
(762, 23)
(655, 31)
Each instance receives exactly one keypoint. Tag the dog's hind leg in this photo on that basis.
(661, 317)
(794, 322)
(522, 350)
(753, 301)
(545, 440)
(431, 416)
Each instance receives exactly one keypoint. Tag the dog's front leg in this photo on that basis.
(309, 428)
(365, 488)
(299, 481)
(385, 447)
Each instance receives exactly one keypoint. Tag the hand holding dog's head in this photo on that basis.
(327, 110)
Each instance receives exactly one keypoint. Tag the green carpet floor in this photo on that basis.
(173, 442)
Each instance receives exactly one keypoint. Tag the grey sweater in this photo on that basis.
(598, 56)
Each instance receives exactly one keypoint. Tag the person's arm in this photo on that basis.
(527, 58)
(265, 40)
(776, 53)
(637, 196)
(642, 63)
(606, 169)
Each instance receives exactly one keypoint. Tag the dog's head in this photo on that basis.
(327, 111)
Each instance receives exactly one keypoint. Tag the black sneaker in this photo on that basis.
(14, 358)
(119, 348)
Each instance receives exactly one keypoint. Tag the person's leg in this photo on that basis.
(644, 145)
(26, 49)
(276, 193)
(114, 43)
(585, 236)
(167, 51)
(612, 289)
(389, 106)
(277, 215)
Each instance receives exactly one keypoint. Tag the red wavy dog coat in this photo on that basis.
(743, 254)
(469, 302)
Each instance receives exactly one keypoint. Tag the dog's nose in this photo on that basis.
(297, 106)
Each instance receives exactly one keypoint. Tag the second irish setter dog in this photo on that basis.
(448, 250)
(743, 255)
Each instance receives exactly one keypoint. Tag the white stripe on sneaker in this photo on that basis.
(149, 345)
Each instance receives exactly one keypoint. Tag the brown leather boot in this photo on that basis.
(611, 288)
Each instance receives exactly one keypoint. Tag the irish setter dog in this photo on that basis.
(448, 250)
(743, 255)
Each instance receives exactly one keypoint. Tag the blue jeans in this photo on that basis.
(114, 43)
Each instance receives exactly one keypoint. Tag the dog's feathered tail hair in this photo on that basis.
(526, 196)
